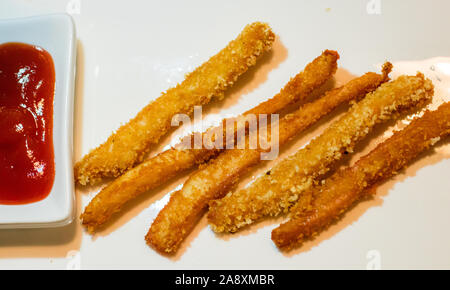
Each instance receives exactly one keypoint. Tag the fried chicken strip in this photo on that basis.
(127, 147)
(179, 216)
(159, 169)
(272, 195)
(349, 185)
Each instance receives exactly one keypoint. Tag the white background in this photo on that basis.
(130, 51)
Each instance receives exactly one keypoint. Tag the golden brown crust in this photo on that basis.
(271, 195)
(127, 147)
(347, 186)
(179, 216)
(315, 74)
(167, 164)
(140, 179)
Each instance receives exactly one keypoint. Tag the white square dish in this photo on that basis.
(56, 34)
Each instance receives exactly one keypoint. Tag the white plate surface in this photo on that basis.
(130, 51)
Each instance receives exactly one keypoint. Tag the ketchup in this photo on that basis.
(27, 87)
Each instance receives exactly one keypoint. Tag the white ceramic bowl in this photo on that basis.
(56, 34)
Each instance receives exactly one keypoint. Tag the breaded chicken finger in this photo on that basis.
(162, 167)
(127, 147)
(179, 216)
(272, 194)
(349, 185)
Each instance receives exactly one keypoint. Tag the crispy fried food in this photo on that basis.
(167, 164)
(349, 185)
(127, 147)
(179, 216)
(272, 195)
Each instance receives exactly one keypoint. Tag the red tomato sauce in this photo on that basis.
(27, 87)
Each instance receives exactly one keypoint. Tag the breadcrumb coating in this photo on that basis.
(159, 169)
(127, 147)
(272, 195)
(349, 185)
(179, 216)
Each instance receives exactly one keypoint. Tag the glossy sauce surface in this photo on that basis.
(27, 85)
